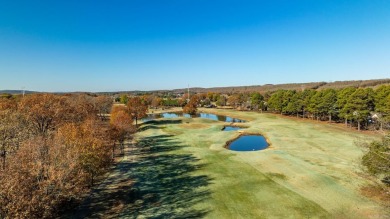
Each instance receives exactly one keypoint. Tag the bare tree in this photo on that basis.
(103, 105)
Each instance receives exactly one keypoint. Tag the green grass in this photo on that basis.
(180, 169)
(311, 170)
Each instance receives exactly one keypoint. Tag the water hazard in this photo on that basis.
(248, 143)
(198, 115)
(231, 128)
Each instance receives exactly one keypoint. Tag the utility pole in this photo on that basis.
(188, 98)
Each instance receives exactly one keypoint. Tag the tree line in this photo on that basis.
(362, 108)
(357, 107)
(52, 148)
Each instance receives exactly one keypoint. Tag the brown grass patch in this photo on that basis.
(379, 193)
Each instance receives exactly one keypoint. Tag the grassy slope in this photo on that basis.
(311, 170)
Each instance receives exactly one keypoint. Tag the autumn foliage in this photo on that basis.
(121, 126)
(137, 108)
(191, 106)
(52, 148)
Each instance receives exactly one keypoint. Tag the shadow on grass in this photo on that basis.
(154, 124)
(160, 182)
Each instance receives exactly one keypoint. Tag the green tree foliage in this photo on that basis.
(276, 101)
(342, 99)
(382, 104)
(169, 102)
(359, 105)
(315, 101)
(257, 101)
(305, 98)
(221, 100)
(348, 104)
(124, 99)
(295, 104)
(327, 105)
(288, 97)
(377, 158)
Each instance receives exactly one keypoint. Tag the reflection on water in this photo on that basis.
(198, 115)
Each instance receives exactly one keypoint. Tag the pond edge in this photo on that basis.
(226, 146)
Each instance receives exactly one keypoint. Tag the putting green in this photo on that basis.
(311, 170)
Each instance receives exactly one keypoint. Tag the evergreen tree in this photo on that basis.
(358, 105)
(315, 101)
(342, 99)
(377, 159)
(294, 106)
(327, 104)
(257, 101)
(382, 105)
(276, 101)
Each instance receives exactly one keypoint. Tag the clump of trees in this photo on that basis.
(52, 149)
(357, 107)
(192, 106)
(123, 99)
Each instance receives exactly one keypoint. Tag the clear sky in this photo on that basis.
(96, 45)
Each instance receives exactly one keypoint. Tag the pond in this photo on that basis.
(231, 128)
(248, 143)
(198, 115)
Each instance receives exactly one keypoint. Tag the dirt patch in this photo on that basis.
(377, 192)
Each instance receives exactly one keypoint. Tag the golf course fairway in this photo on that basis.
(180, 168)
(311, 170)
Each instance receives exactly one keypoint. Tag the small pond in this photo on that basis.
(231, 128)
(248, 143)
(198, 115)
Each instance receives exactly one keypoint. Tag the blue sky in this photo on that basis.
(95, 45)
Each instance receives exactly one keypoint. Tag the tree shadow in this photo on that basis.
(154, 124)
(158, 182)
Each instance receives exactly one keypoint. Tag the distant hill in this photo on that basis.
(292, 86)
(252, 88)
(16, 92)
